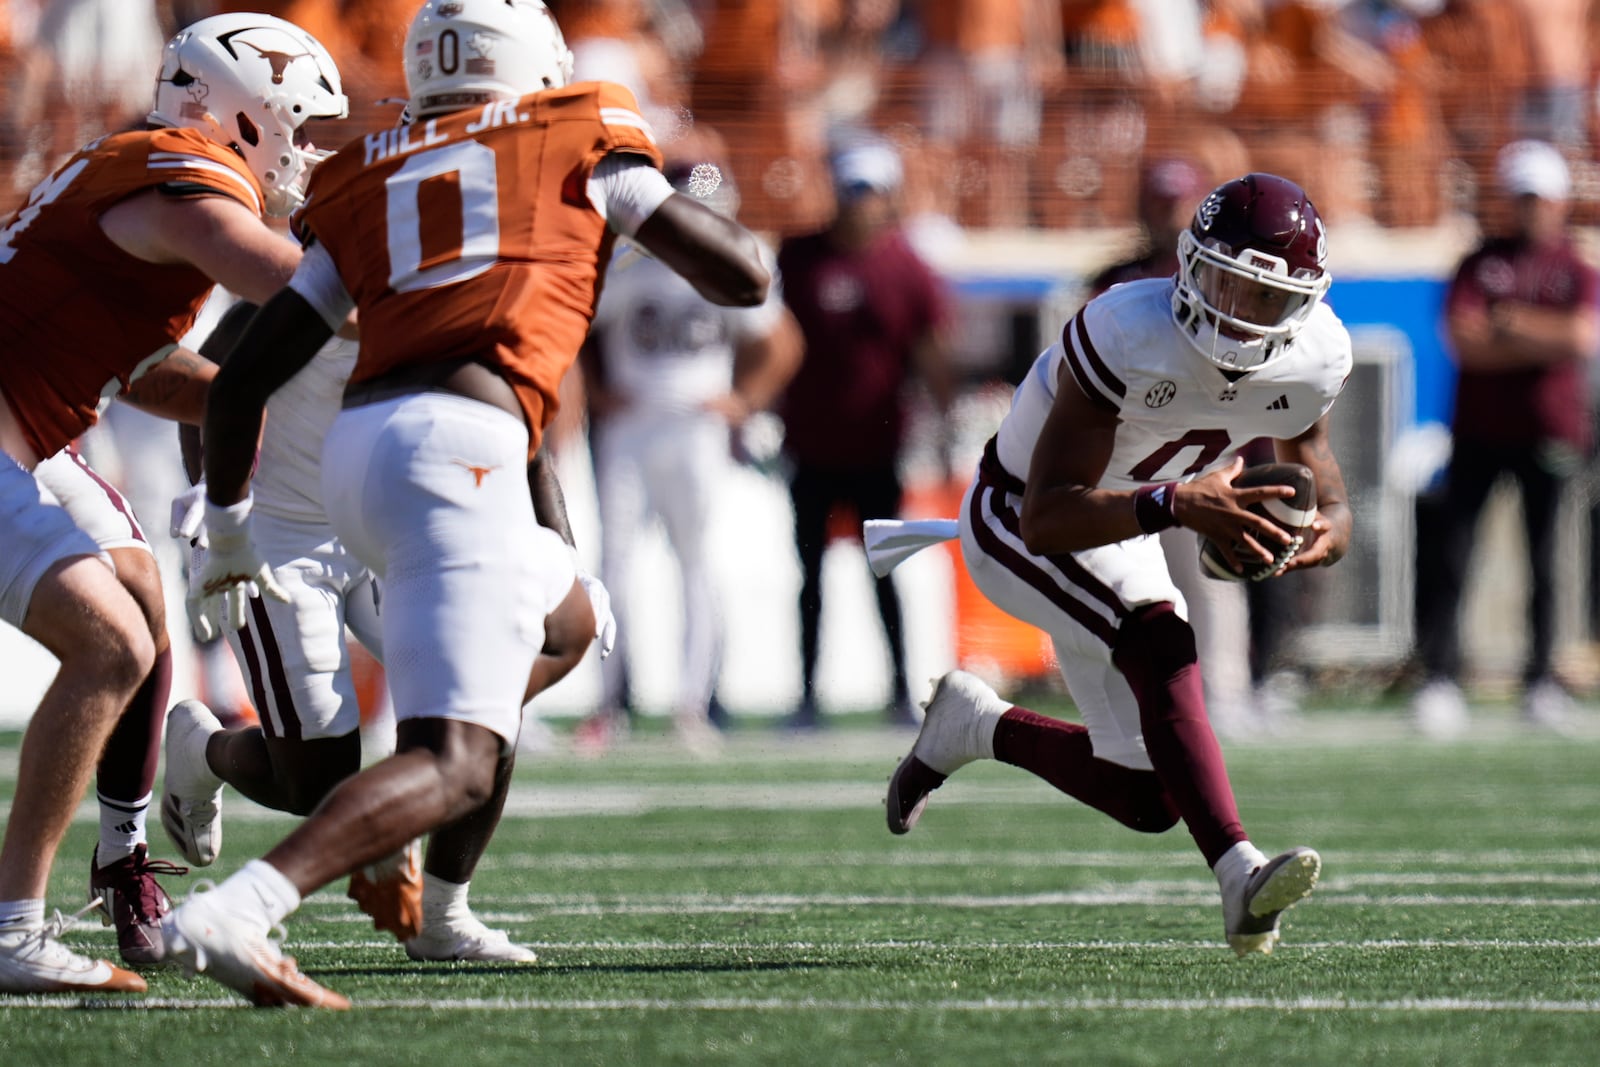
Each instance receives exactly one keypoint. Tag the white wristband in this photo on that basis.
(230, 521)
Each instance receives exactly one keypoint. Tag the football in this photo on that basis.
(1293, 514)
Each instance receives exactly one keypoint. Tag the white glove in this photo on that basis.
(189, 515)
(605, 623)
(233, 573)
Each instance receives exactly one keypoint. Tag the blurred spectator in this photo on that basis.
(615, 40)
(1555, 106)
(1523, 322)
(985, 66)
(89, 72)
(873, 315)
(1477, 43)
(758, 82)
(669, 377)
(1169, 191)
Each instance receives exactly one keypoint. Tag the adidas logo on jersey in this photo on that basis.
(1280, 404)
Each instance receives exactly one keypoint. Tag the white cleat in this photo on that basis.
(466, 939)
(191, 795)
(957, 729)
(203, 938)
(1546, 706)
(1439, 710)
(1250, 909)
(33, 960)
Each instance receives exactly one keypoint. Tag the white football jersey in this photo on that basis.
(1180, 415)
(288, 479)
(668, 348)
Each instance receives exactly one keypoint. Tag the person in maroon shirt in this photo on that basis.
(872, 313)
(1169, 189)
(1523, 324)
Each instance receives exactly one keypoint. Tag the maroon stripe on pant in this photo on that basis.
(1030, 572)
(1067, 563)
(283, 698)
(257, 679)
(118, 501)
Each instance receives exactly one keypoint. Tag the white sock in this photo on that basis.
(121, 827)
(443, 901)
(258, 890)
(25, 913)
(1237, 863)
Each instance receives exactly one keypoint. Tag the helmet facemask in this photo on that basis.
(251, 82)
(1241, 311)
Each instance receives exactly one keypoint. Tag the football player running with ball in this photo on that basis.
(1129, 425)
(473, 240)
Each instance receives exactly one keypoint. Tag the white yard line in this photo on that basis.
(946, 947)
(1185, 895)
(442, 1005)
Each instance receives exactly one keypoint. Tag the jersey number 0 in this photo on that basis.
(426, 248)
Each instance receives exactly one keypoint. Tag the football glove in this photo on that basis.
(233, 573)
(189, 515)
(605, 623)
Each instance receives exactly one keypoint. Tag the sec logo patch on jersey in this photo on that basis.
(1293, 514)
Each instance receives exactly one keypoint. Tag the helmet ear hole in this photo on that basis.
(247, 129)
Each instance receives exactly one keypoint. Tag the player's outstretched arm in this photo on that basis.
(716, 255)
(218, 236)
(175, 388)
(1331, 529)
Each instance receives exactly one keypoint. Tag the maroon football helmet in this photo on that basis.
(1250, 271)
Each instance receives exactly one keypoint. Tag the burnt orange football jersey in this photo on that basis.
(80, 316)
(471, 236)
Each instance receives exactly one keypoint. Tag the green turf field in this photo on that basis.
(755, 910)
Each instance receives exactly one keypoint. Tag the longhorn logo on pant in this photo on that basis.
(477, 471)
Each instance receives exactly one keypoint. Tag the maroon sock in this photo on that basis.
(132, 754)
(1156, 654)
(1060, 753)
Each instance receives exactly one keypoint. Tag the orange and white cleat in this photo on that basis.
(390, 891)
(33, 960)
(203, 938)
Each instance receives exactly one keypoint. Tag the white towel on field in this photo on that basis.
(890, 542)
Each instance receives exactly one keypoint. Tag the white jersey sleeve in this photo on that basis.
(317, 280)
(626, 189)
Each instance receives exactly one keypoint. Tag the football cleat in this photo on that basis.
(191, 794)
(390, 891)
(130, 898)
(1250, 909)
(1546, 706)
(33, 960)
(1439, 710)
(466, 938)
(957, 729)
(697, 736)
(203, 938)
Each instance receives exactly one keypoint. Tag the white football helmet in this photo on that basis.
(249, 82)
(462, 53)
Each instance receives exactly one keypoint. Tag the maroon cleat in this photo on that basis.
(133, 901)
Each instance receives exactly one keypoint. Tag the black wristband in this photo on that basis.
(1155, 506)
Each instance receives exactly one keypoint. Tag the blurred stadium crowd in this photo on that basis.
(1013, 113)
